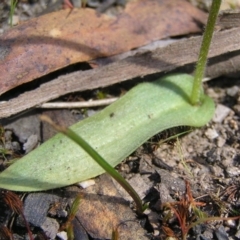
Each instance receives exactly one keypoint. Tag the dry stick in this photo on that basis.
(93, 103)
(161, 60)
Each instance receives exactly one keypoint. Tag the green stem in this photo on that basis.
(12, 9)
(106, 166)
(202, 59)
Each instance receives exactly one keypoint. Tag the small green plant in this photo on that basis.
(13, 5)
(71, 215)
(117, 131)
(188, 214)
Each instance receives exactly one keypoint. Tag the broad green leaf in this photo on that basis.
(115, 133)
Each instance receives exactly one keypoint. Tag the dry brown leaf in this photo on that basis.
(53, 41)
(224, 58)
(103, 210)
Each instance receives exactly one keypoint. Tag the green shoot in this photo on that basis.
(180, 151)
(13, 5)
(202, 59)
(101, 161)
(173, 137)
(72, 213)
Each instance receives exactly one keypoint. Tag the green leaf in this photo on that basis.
(115, 133)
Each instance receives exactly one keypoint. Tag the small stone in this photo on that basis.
(220, 142)
(8, 135)
(77, 3)
(236, 108)
(237, 235)
(140, 183)
(232, 171)
(233, 91)
(16, 146)
(91, 112)
(8, 146)
(231, 223)
(31, 143)
(164, 193)
(50, 227)
(217, 171)
(227, 162)
(211, 133)
(24, 126)
(86, 184)
(221, 113)
(221, 233)
(208, 234)
(62, 235)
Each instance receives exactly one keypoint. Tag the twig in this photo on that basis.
(225, 48)
(91, 103)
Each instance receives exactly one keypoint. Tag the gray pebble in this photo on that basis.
(211, 133)
(50, 227)
(233, 91)
(221, 233)
(221, 113)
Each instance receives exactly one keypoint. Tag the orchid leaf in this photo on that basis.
(115, 133)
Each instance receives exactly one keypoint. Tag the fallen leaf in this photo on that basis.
(53, 41)
(103, 210)
(224, 59)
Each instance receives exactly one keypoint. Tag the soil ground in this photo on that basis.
(207, 158)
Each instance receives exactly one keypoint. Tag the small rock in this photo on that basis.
(8, 136)
(231, 223)
(87, 183)
(233, 91)
(31, 143)
(221, 233)
(227, 162)
(232, 171)
(36, 207)
(213, 155)
(211, 133)
(24, 126)
(7, 145)
(237, 235)
(153, 218)
(221, 113)
(77, 3)
(220, 142)
(50, 227)
(164, 193)
(91, 112)
(62, 235)
(217, 171)
(208, 234)
(79, 232)
(140, 183)
(236, 108)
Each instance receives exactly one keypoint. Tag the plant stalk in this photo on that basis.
(106, 166)
(12, 9)
(202, 59)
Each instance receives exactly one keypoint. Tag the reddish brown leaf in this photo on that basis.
(103, 213)
(55, 40)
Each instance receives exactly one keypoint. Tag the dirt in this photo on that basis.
(207, 158)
